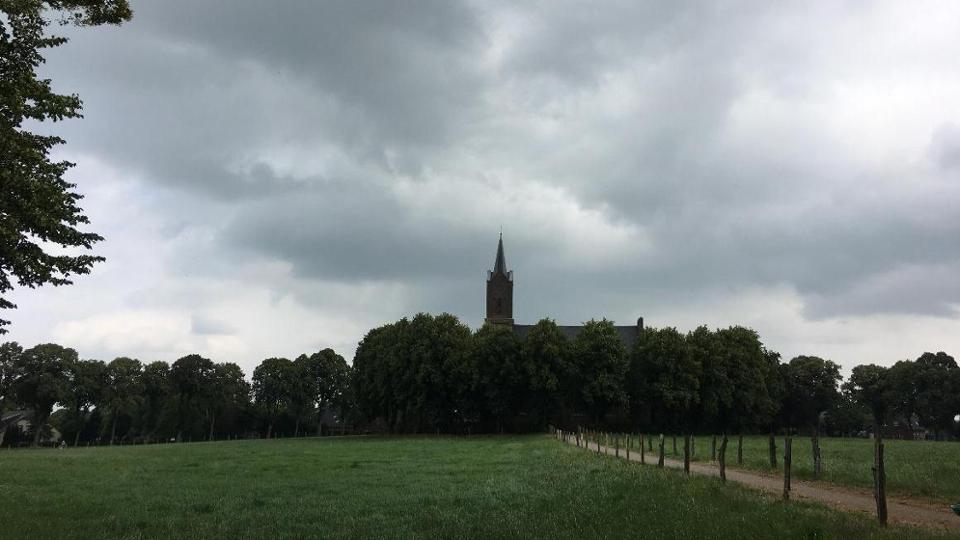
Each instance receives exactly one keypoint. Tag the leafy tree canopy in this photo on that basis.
(38, 206)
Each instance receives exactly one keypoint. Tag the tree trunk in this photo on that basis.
(723, 458)
(740, 449)
(296, 428)
(686, 454)
(80, 422)
(41, 421)
(787, 460)
(660, 459)
(643, 454)
(772, 446)
(113, 428)
(213, 419)
(269, 429)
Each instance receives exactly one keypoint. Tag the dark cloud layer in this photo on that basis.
(643, 157)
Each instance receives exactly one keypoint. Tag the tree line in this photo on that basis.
(431, 374)
(193, 398)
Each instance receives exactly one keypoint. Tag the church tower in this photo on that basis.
(500, 291)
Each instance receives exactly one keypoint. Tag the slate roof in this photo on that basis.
(500, 265)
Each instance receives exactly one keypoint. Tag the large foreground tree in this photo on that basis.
(38, 207)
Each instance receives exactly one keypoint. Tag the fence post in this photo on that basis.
(686, 454)
(880, 480)
(787, 461)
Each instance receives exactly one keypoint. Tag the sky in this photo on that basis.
(273, 178)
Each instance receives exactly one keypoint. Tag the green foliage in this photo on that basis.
(411, 373)
(190, 381)
(812, 388)
(9, 358)
(548, 371)
(38, 207)
(87, 386)
(273, 388)
(498, 380)
(600, 365)
(870, 386)
(157, 390)
(481, 487)
(124, 390)
(671, 376)
(41, 380)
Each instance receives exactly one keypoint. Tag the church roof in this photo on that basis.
(500, 265)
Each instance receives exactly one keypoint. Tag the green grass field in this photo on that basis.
(484, 487)
(923, 469)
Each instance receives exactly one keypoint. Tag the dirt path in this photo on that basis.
(899, 510)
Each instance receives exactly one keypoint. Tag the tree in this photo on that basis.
(87, 384)
(546, 370)
(9, 357)
(272, 384)
(228, 394)
(124, 390)
(601, 365)
(326, 378)
(869, 385)
(323, 381)
(379, 373)
(937, 393)
(499, 381)
(672, 376)
(41, 381)
(812, 390)
(190, 381)
(155, 381)
(39, 207)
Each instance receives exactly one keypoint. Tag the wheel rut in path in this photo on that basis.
(899, 510)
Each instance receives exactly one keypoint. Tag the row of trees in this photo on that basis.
(430, 373)
(192, 399)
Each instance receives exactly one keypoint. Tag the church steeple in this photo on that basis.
(500, 265)
(500, 290)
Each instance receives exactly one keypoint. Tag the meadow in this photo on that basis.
(922, 469)
(481, 487)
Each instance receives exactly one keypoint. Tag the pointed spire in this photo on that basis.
(500, 265)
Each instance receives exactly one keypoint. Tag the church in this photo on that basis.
(500, 305)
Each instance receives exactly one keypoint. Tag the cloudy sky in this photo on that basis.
(277, 177)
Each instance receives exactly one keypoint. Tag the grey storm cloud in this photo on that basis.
(365, 142)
